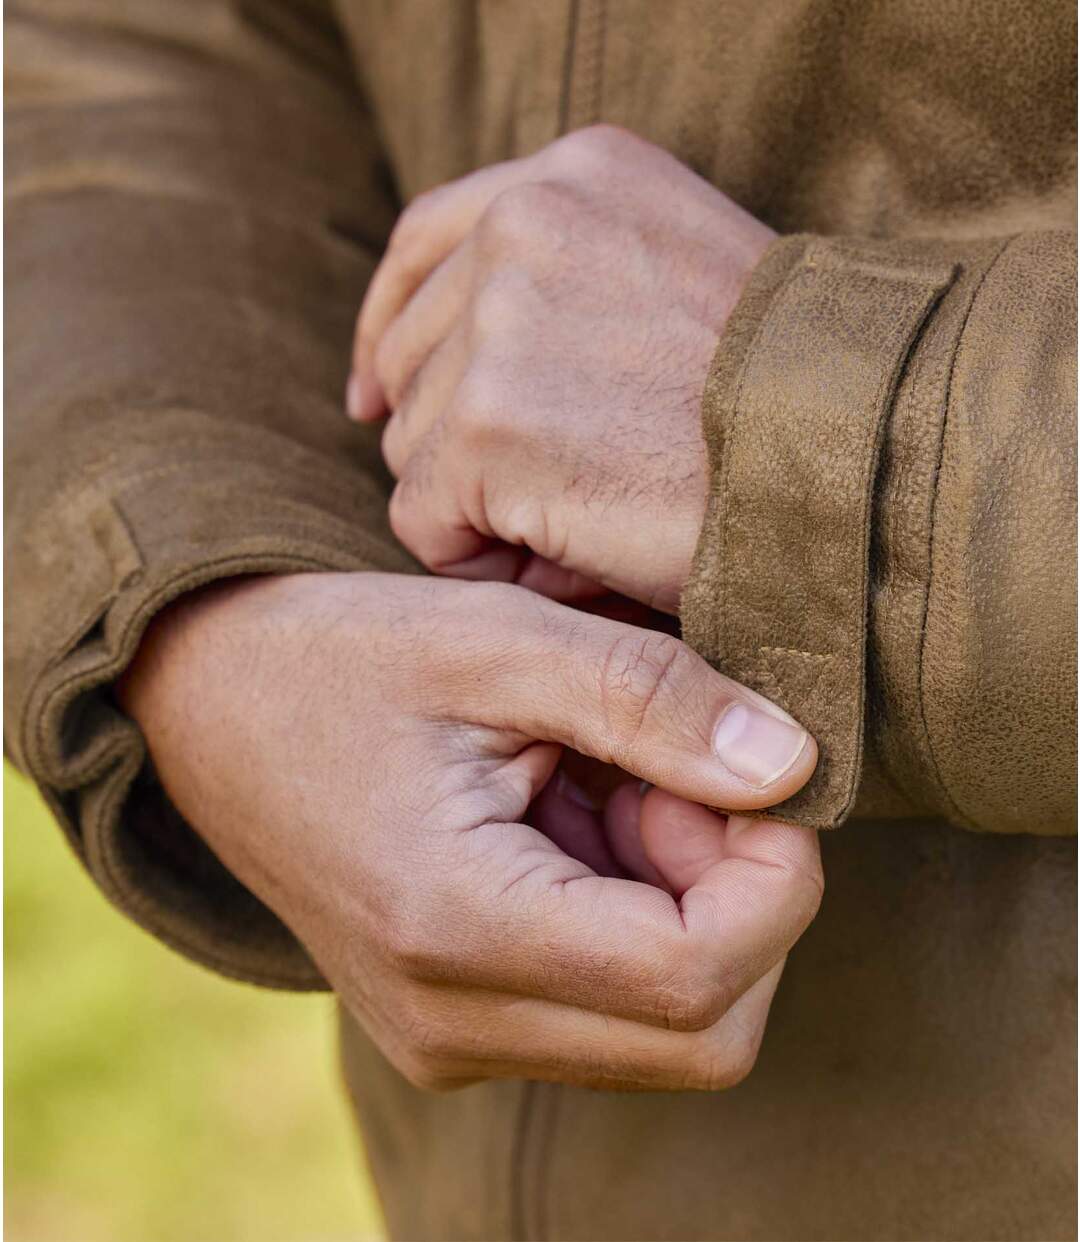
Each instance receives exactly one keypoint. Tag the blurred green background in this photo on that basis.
(147, 1100)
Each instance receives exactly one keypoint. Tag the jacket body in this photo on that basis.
(199, 194)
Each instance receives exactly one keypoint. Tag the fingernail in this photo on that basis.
(756, 746)
(354, 397)
(574, 792)
(769, 707)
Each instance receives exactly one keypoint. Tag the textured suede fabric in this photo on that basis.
(198, 193)
(931, 411)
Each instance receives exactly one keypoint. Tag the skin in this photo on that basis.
(386, 760)
(377, 758)
(540, 332)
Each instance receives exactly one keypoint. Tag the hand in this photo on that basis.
(541, 331)
(362, 751)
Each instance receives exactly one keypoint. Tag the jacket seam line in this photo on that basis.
(519, 1230)
(568, 65)
(553, 1094)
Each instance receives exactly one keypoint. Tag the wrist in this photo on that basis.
(169, 639)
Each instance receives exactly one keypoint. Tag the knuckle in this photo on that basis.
(498, 309)
(741, 1055)
(601, 141)
(426, 1073)
(692, 1008)
(390, 446)
(417, 948)
(400, 506)
(432, 1047)
(640, 678)
(477, 404)
(719, 1069)
(522, 213)
(432, 1043)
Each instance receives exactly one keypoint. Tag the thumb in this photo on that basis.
(640, 699)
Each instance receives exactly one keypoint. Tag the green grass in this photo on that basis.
(147, 1100)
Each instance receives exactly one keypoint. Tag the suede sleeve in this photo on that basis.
(889, 547)
(196, 200)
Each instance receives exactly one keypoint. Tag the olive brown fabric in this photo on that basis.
(890, 542)
(197, 194)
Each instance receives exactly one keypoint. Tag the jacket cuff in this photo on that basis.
(795, 412)
(98, 565)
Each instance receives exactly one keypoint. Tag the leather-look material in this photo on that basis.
(197, 195)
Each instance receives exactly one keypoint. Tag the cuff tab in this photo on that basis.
(794, 414)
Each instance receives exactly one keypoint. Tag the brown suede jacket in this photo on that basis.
(199, 192)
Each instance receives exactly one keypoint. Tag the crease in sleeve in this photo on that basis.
(794, 413)
(89, 759)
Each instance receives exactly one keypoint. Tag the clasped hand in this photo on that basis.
(540, 332)
(382, 767)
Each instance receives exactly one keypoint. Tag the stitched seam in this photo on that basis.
(885, 387)
(950, 800)
(810, 655)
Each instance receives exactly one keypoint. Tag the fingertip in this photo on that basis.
(364, 401)
(681, 839)
(353, 400)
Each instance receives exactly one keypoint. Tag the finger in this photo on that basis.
(427, 516)
(622, 815)
(428, 230)
(426, 511)
(423, 404)
(681, 839)
(503, 562)
(752, 885)
(546, 578)
(364, 400)
(429, 316)
(641, 700)
(469, 1035)
(535, 922)
(566, 815)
